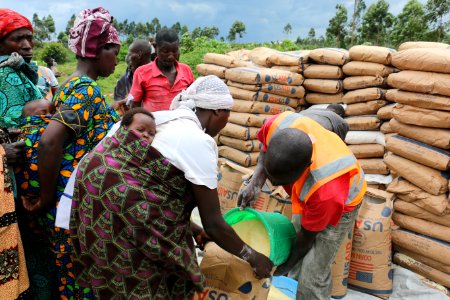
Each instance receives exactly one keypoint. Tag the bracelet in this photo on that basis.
(246, 252)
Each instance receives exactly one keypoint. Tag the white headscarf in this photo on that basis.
(208, 92)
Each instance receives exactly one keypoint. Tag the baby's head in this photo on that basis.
(38, 107)
(142, 121)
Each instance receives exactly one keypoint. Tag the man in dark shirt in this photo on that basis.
(139, 53)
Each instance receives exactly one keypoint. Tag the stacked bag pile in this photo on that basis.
(420, 158)
(367, 109)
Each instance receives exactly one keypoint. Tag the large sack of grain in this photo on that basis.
(293, 58)
(432, 136)
(278, 99)
(410, 209)
(222, 60)
(365, 137)
(385, 113)
(422, 269)
(363, 123)
(263, 75)
(238, 93)
(209, 69)
(229, 181)
(362, 82)
(246, 119)
(386, 128)
(375, 54)
(260, 56)
(326, 86)
(257, 107)
(364, 108)
(240, 132)
(423, 245)
(373, 166)
(330, 56)
(421, 153)
(246, 159)
(421, 59)
(367, 150)
(244, 86)
(421, 82)
(421, 116)
(408, 192)
(323, 72)
(248, 146)
(362, 68)
(294, 69)
(420, 100)
(370, 265)
(363, 95)
(341, 267)
(284, 90)
(411, 45)
(241, 54)
(428, 179)
(431, 229)
(425, 260)
(318, 98)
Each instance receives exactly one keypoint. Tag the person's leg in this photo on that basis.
(314, 279)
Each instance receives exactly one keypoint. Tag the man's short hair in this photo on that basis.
(166, 35)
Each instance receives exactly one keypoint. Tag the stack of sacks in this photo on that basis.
(258, 93)
(367, 71)
(419, 156)
(323, 81)
(216, 64)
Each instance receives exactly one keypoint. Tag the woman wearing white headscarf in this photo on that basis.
(132, 203)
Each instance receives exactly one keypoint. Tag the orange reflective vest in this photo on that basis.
(331, 158)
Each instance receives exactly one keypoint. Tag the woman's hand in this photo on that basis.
(121, 106)
(201, 239)
(14, 151)
(31, 204)
(261, 264)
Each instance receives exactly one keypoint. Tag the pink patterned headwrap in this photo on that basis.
(92, 30)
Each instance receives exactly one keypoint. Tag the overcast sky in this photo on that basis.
(264, 20)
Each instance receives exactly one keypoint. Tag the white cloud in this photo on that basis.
(196, 10)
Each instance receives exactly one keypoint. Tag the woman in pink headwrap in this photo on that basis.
(81, 120)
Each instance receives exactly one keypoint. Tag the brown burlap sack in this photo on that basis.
(318, 98)
(220, 59)
(340, 268)
(323, 72)
(408, 192)
(239, 132)
(421, 116)
(293, 58)
(422, 59)
(421, 82)
(294, 69)
(421, 153)
(248, 87)
(263, 75)
(238, 93)
(419, 100)
(375, 54)
(428, 179)
(330, 56)
(431, 229)
(363, 123)
(246, 119)
(386, 128)
(385, 112)
(411, 45)
(257, 107)
(367, 150)
(229, 182)
(410, 209)
(370, 264)
(373, 166)
(364, 108)
(361, 68)
(363, 95)
(362, 82)
(241, 54)
(209, 69)
(425, 260)
(248, 146)
(245, 159)
(260, 56)
(432, 136)
(326, 86)
(422, 269)
(284, 90)
(277, 99)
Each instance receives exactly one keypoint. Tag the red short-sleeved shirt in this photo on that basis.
(153, 88)
(324, 207)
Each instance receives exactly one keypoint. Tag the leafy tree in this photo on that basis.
(312, 34)
(210, 32)
(70, 23)
(156, 26)
(376, 23)
(287, 29)
(196, 33)
(177, 27)
(43, 28)
(63, 38)
(410, 24)
(337, 26)
(238, 28)
(54, 50)
(184, 30)
(436, 12)
(358, 8)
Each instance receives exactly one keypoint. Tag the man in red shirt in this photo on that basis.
(326, 185)
(156, 84)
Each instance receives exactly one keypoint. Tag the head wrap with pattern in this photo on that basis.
(11, 20)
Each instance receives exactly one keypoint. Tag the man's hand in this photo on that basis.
(201, 239)
(261, 264)
(14, 151)
(248, 195)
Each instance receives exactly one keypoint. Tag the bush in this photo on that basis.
(55, 50)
